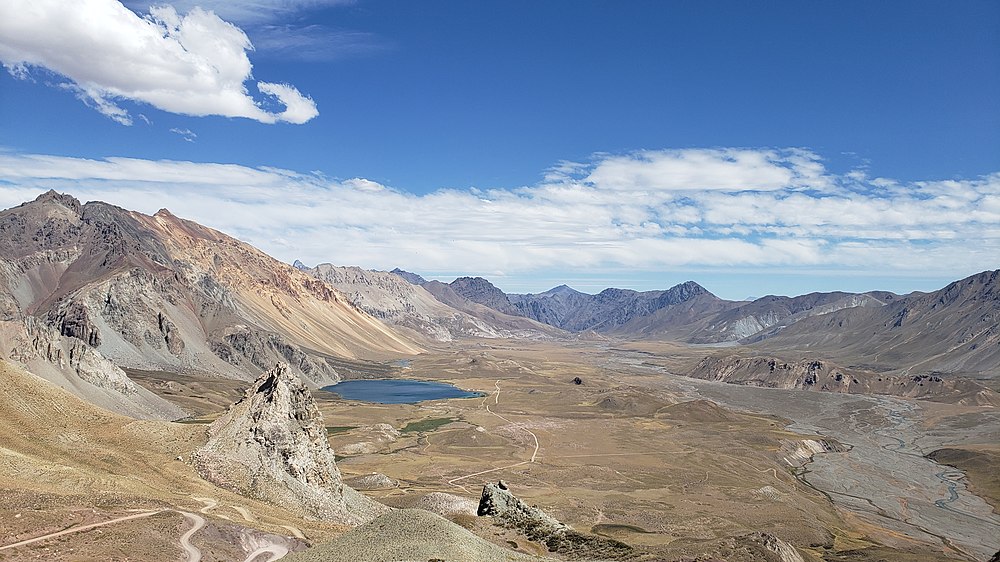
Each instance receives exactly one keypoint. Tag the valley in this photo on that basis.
(671, 464)
(167, 395)
(884, 478)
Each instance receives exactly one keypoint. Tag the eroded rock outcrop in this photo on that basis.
(509, 511)
(752, 547)
(252, 349)
(272, 446)
(74, 365)
(811, 374)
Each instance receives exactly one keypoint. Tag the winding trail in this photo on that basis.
(192, 551)
(534, 454)
(210, 504)
(276, 551)
(295, 531)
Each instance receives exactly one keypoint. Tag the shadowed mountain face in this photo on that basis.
(161, 293)
(574, 311)
(956, 328)
(479, 290)
(748, 319)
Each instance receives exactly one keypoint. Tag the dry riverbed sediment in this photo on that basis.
(901, 497)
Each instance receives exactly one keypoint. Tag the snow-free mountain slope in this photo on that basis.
(161, 293)
(403, 304)
(954, 329)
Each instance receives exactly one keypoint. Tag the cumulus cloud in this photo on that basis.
(773, 209)
(192, 64)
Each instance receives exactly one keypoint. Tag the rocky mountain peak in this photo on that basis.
(300, 266)
(981, 286)
(480, 290)
(165, 213)
(54, 197)
(683, 292)
(560, 290)
(412, 278)
(272, 445)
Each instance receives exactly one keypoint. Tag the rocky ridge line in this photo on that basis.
(811, 374)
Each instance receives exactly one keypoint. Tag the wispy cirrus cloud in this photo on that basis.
(709, 170)
(242, 11)
(649, 211)
(186, 134)
(275, 29)
(314, 42)
(192, 63)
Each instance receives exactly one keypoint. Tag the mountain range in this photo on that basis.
(954, 329)
(414, 308)
(90, 291)
(87, 290)
(93, 295)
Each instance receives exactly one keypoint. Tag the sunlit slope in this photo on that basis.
(162, 293)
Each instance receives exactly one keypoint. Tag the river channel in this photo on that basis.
(884, 478)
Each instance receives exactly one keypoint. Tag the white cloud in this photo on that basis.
(718, 169)
(186, 134)
(298, 108)
(735, 213)
(193, 64)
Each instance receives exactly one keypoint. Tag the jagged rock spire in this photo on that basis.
(272, 446)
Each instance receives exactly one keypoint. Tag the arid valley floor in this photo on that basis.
(634, 452)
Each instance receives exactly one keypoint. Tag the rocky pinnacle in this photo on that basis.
(271, 445)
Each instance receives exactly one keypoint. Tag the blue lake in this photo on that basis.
(397, 391)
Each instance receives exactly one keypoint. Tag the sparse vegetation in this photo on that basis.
(337, 429)
(423, 426)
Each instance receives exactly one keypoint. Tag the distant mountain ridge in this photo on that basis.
(409, 277)
(571, 310)
(394, 298)
(954, 329)
(773, 312)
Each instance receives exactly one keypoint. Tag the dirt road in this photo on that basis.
(534, 454)
(193, 553)
(81, 529)
(276, 551)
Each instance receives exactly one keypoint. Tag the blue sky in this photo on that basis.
(757, 148)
